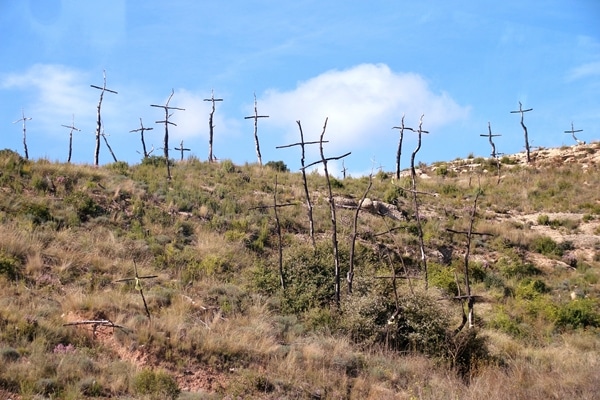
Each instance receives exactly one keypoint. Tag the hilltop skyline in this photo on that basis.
(361, 66)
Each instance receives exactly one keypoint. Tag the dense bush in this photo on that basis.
(156, 385)
(278, 166)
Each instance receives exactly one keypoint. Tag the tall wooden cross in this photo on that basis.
(255, 117)
(521, 111)
(211, 126)
(99, 120)
(166, 121)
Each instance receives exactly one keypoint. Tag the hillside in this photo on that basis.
(115, 282)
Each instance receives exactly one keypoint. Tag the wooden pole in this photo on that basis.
(99, 119)
(72, 128)
(255, 117)
(211, 125)
(24, 119)
(521, 111)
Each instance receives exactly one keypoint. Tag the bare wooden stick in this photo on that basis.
(141, 130)
(108, 145)
(211, 125)
(99, 119)
(350, 274)
(255, 117)
(96, 323)
(521, 111)
(336, 258)
(469, 234)
(166, 121)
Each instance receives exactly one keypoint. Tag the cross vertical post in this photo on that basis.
(166, 121)
(24, 119)
(255, 117)
(99, 120)
(211, 126)
(521, 111)
(72, 128)
(573, 132)
(141, 130)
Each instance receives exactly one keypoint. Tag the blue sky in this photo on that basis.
(361, 64)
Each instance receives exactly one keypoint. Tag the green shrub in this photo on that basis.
(543, 219)
(546, 246)
(443, 278)
(530, 288)
(36, 212)
(120, 167)
(392, 193)
(84, 205)
(227, 166)
(278, 166)
(335, 183)
(580, 313)
(156, 385)
(9, 266)
(309, 276)
(519, 270)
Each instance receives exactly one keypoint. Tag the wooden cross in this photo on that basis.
(99, 119)
(182, 149)
(141, 130)
(72, 128)
(573, 132)
(24, 119)
(211, 126)
(138, 285)
(399, 152)
(166, 121)
(255, 117)
(490, 136)
(521, 111)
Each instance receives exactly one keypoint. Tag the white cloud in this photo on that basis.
(584, 71)
(59, 92)
(362, 103)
